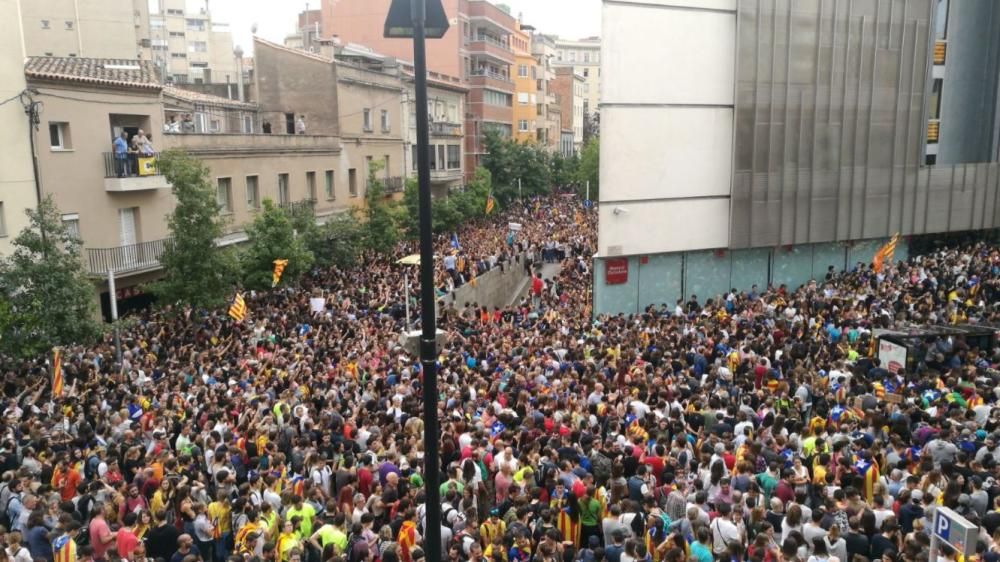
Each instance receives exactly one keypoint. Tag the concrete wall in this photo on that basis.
(664, 278)
(90, 28)
(667, 68)
(289, 81)
(18, 185)
(494, 288)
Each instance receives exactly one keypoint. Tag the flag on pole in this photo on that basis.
(454, 241)
(885, 253)
(279, 267)
(238, 310)
(57, 377)
(490, 203)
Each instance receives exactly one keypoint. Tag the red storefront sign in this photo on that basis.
(616, 271)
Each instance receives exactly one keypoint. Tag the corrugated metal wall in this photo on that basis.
(830, 122)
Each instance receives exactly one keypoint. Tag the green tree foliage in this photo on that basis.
(272, 236)
(589, 168)
(448, 213)
(509, 161)
(563, 170)
(196, 272)
(381, 216)
(337, 242)
(47, 298)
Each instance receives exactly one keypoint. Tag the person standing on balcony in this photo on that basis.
(120, 146)
(300, 125)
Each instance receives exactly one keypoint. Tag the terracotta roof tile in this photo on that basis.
(205, 99)
(108, 72)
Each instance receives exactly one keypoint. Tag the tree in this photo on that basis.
(563, 170)
(447, 214)
(382, 216)
(510, 162)
(589, 168)
(196, 271)
(337, 242)
(272, 236)
(591, 126)
(48, 299)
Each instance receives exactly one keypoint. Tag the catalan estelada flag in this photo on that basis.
(279, 267)
(64, 549)
(868, 469)
(57, 377)
(490, 203)
(238, 310)
(885, 253)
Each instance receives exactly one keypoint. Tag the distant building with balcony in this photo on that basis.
(118, 203)
(528, 107)
(568, 86)
(584, 57)
(476, 49)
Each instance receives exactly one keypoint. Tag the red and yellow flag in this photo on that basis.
(490, 203)
(238, 310)
(57, 377)
(279, 267)
(885, 253)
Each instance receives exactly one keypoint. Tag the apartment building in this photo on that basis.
(476, 48)
(584, 57)
(16, 178)
(526, 110)
(189, 46)
(543, 49)
(119, 207)
(798, 136)
(70, 28)
(569, 86)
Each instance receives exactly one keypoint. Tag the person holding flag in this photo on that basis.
(885, 253)
(279, 267)
(238, 310)
(57, 377)
(490, 203)
(454, 241)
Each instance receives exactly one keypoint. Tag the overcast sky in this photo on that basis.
(275, 19)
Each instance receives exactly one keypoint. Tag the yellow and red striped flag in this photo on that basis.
(490, 203)
(885, 253)
(279, 267)
(238, 310)
(57, 377)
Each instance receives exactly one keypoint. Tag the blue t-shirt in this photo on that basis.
(121, 147)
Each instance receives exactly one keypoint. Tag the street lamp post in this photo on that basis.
(421, 19)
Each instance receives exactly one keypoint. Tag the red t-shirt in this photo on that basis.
(365, 481)
(126, 542)
(99, 529)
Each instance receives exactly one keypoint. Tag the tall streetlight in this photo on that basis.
(420, 19)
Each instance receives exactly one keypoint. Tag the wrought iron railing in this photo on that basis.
(304, 205)
(127, 258)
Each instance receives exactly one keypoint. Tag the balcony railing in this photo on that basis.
(126, 259)
(490, 74)
(940, 51)
(304, 206)
(452, 129)
(132, 165)
(933, 130)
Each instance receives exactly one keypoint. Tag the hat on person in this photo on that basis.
(916, 495)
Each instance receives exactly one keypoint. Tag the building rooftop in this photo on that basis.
(299, 52)
(205, 99)
(105, 72)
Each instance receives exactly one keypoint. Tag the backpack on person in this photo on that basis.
(5, 519)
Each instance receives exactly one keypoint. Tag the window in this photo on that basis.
(59, 136)
(283, 196)
(440, 158)
(71, 222)
(177, 34)
(253, 193)
(69, 25)
(540, 85)
(224, 195)
(385, 120)
(175, 12)
(197, 47)
(559, 55)
(434, 158)
(178, 55)
(311, 185)
(586, 72)
(534, 72)
(497, 98)
(934, 110)
(367, 123)
(195, 24)
(413, 156)
(930, 159)
(328, 188)
(289, 123)
(522, 98)
(45, 24)
(539, 109)
(454, 157)
(522, 70)
(352, 182)
(522, 125)
(586, 56)
(572, 56)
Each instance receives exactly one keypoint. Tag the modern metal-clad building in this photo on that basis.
(782, 137)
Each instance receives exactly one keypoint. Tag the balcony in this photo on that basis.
(492, 80)
(305, 206)
(395, 184)
(132, 173)
(485, 14)
(940, 51)
(128, 259)
(933, 130)
(492, 49)
(446, 175)
(446, 129)
(235, 144)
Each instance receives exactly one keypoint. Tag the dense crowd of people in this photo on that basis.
(752, 426)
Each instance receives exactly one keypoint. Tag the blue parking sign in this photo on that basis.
(955, 530)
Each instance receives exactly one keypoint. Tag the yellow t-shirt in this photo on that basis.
(218, 514)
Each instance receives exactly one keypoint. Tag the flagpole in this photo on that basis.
(113, 298)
